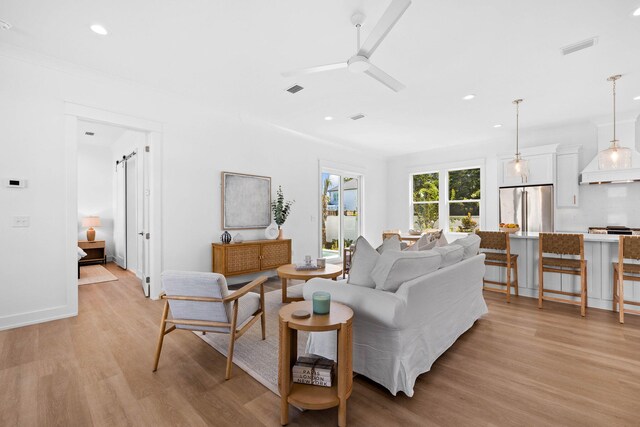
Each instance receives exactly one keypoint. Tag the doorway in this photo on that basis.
(112, 179)
(340, 201)
(142, 195)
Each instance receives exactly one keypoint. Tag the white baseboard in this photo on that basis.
(33, 317)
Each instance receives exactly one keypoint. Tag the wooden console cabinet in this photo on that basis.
(95, 252)
(233, 259)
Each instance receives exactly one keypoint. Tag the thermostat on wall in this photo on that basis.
(16, 183)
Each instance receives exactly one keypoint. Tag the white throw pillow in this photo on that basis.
(442, 241)
(424, 243)
(451, 254)
(471, 245)
(395, 267)
(363, 260)
(390, 244)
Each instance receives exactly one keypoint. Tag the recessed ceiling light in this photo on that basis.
(328, 118)
(636, 12)
(468, 97)
(99, 29)
(497, 126)
(637, 98)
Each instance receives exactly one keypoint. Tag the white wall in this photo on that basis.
(198, 142)
(95, 191)
(600, 205)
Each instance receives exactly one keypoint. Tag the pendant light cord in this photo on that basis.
(614, 109)
(613, 79)
(517, 102)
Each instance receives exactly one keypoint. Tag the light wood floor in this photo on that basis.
(516, 366)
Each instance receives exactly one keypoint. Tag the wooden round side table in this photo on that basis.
(288, 271)
(309, 396)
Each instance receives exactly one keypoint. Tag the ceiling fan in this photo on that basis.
(359, 63)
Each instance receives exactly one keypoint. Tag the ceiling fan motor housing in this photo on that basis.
(358, 64)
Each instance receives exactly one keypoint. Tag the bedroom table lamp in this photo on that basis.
(91, 221)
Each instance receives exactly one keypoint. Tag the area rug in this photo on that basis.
(90, 274)
(256, 357)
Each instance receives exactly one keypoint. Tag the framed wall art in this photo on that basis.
(246, 201)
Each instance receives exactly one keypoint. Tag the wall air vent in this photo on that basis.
(294, 89)
(584, 44)
(89, 133)
(357, 117)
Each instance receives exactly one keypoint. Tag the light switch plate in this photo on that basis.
(21, 221)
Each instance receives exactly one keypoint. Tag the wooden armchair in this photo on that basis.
(202, 302)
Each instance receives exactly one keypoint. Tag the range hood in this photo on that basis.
(629, 132)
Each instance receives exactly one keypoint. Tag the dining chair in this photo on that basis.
(628, 248)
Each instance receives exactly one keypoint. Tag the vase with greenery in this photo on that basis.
(281, 209)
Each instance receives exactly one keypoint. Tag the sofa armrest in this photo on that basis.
(369, 304)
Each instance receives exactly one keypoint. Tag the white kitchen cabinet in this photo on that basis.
(541, 171)
(567, 186)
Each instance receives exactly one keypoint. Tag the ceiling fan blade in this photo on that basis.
(311, 70)
(393, 13)
(384, 78)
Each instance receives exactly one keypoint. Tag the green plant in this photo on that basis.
(281, 208)
(467, 223)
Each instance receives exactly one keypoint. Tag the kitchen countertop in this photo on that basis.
(609, 238)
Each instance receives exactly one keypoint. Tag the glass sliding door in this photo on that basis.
(340, 210)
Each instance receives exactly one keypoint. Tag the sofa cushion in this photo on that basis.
(391, 244)
(424, 243)
(363, 260)
(471, 245)
(396, 267)
(451, 254)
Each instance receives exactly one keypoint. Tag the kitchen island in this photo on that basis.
(600, 251)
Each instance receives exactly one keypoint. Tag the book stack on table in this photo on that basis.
(313, 369)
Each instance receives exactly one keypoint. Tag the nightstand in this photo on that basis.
(95, 250)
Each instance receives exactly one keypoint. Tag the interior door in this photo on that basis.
(143, 219)
(120, 216)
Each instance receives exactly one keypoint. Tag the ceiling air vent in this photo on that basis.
(357, 117)
(295, 89)
(89, 133)
(567, 50)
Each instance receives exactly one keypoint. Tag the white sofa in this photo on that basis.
(397, 336)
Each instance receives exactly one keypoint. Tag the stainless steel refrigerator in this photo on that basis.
(530, 207)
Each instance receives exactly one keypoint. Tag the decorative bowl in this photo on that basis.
(510, 230)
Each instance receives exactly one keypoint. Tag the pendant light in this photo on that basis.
(518, 166)
(614, 157)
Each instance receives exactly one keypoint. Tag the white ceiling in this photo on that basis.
(231, 53)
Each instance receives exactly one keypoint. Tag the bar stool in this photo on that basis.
(563, 244)
(629, 248)
(498, 240)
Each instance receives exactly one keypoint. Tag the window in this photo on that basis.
(340, 207)
(460, 206)
(464, 200)
(426, 197)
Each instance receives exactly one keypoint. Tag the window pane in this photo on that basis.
(425, 216)
(350, 205)
(464, 184)
(464, 216)
(426, 187)
(330, 199)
